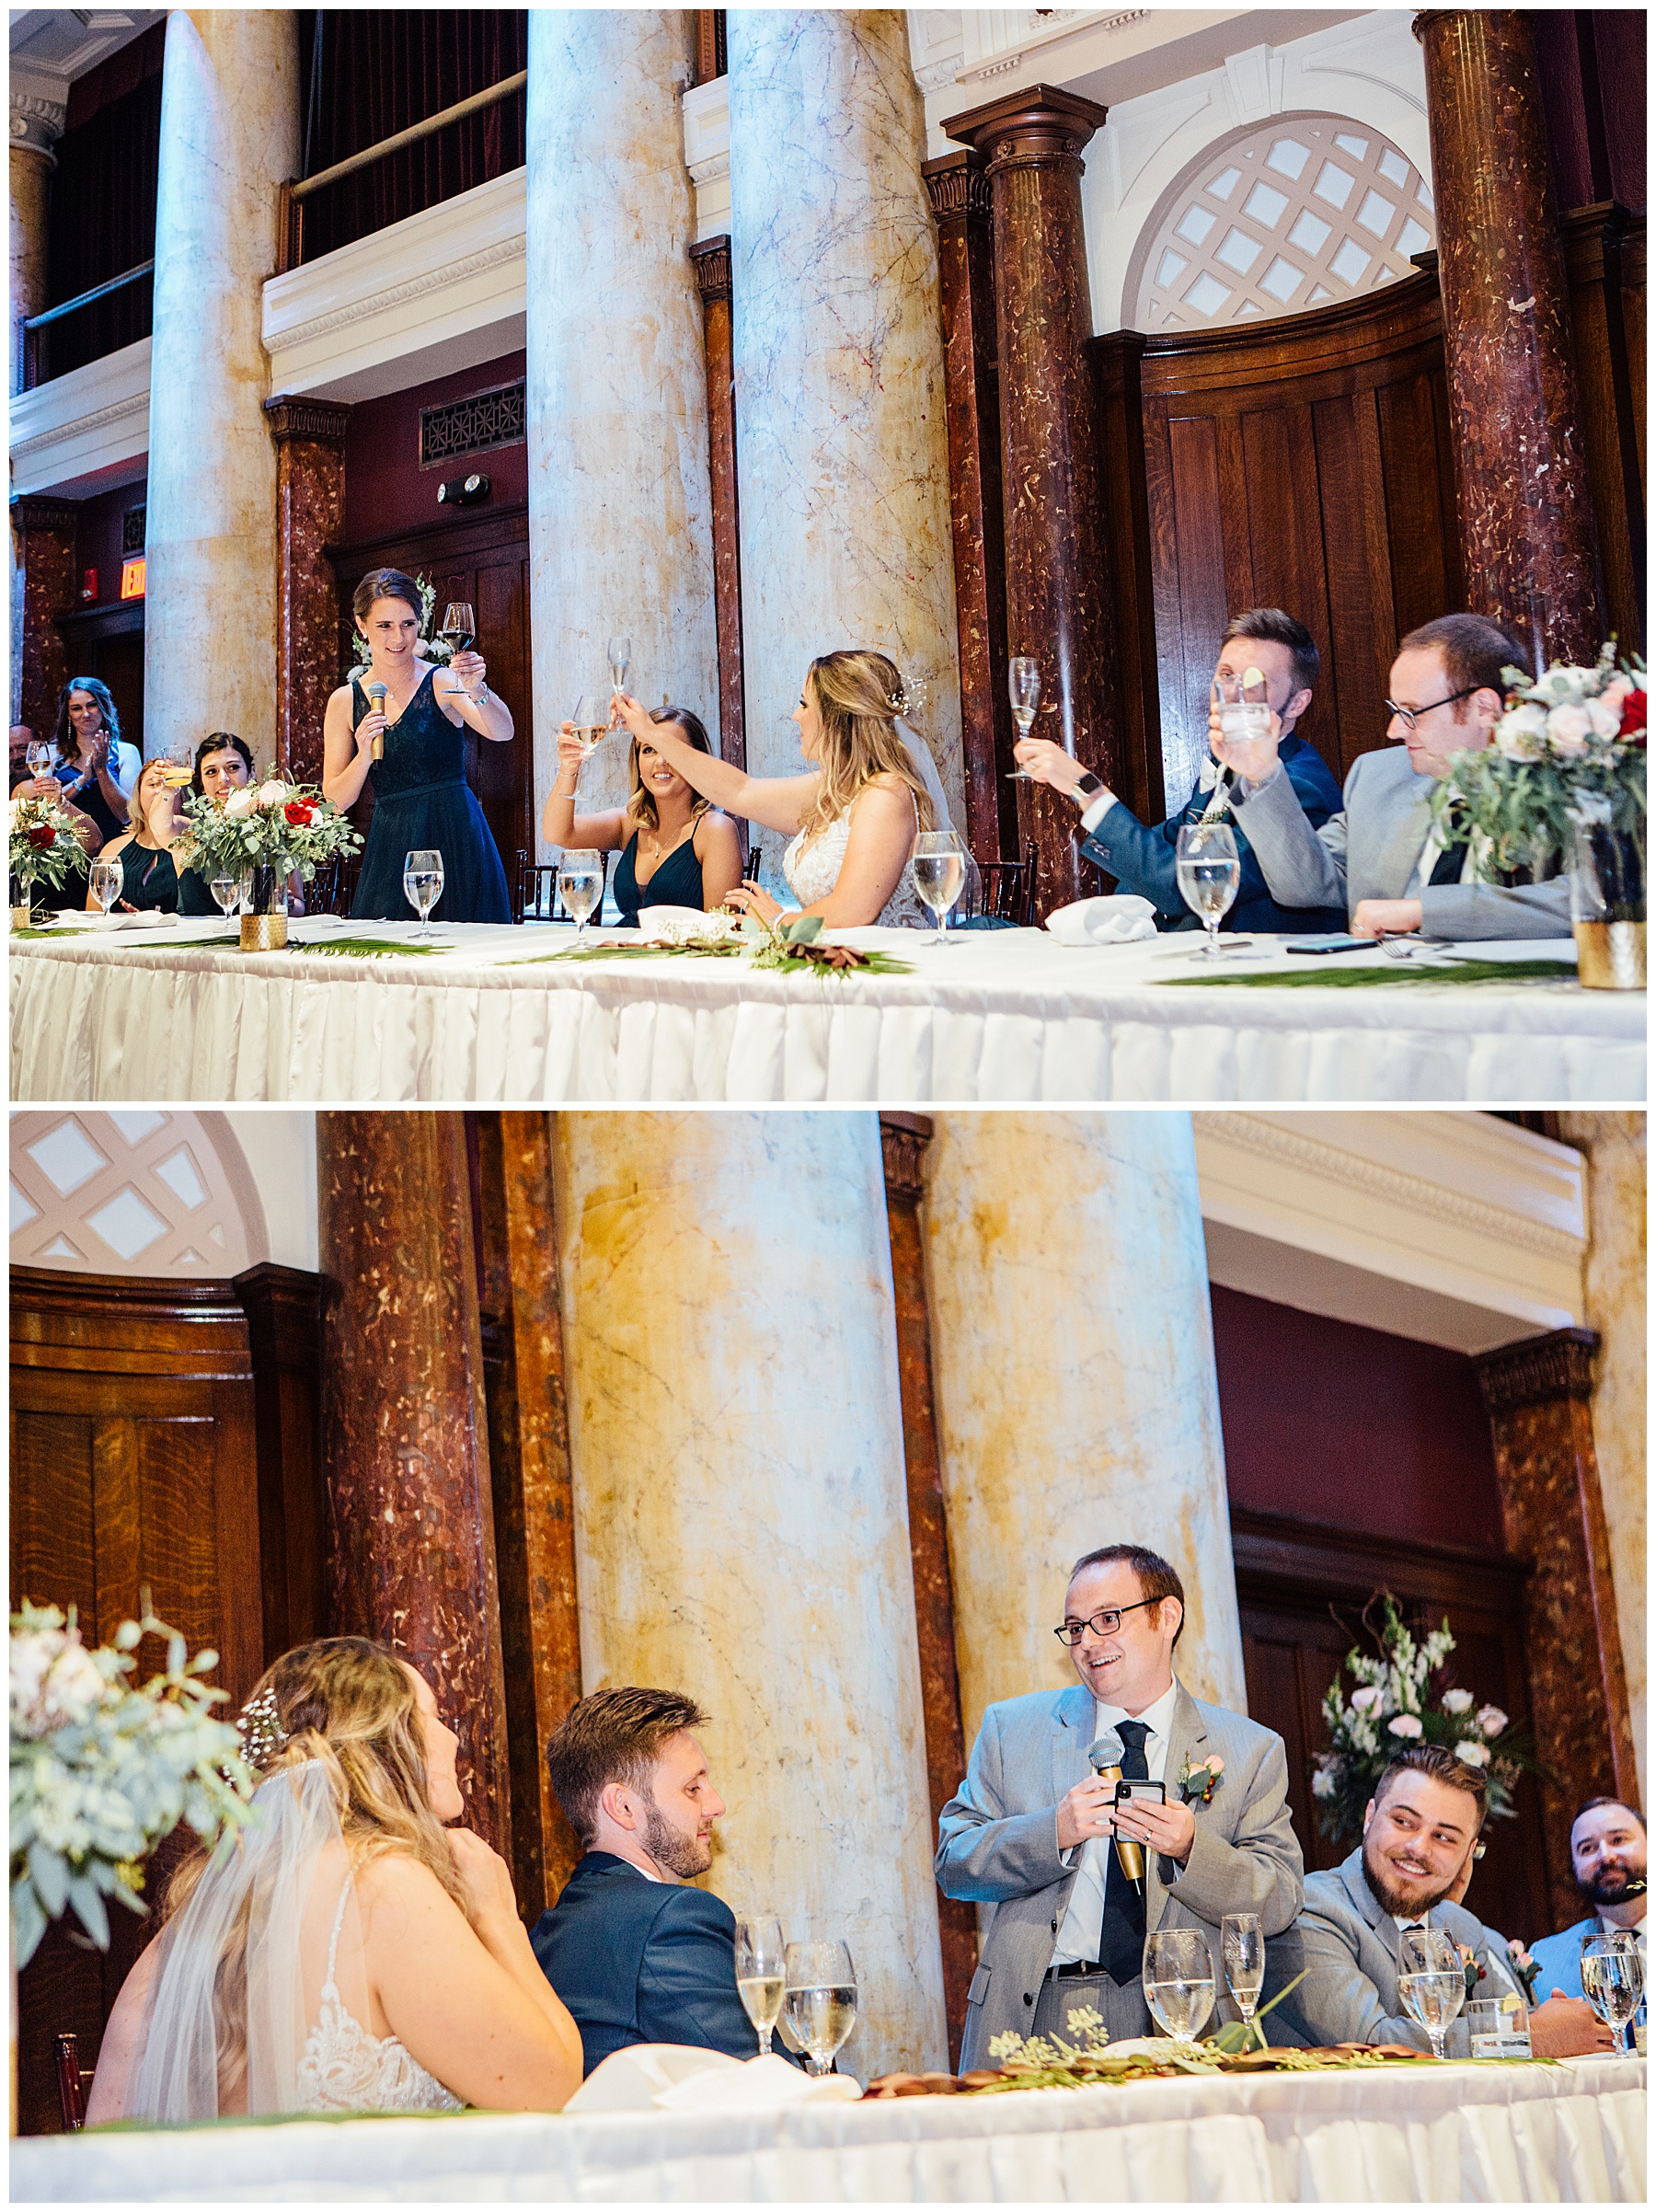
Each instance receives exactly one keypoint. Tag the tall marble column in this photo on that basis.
(43, 534)
(736, 1434)
(230, 101)
(712, 260)
(843, 446)
(1529, 543)
(1077, 1402)
(36, 124)
(620, 515)
(1058, 600)
(410, 1526)
(309, 436)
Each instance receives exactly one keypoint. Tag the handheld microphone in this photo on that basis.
(376, 699)
(1105, 1759)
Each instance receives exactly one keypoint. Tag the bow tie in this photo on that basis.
(1207, 775)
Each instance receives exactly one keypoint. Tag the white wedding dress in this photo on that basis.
(813, 863)
(344, 2068)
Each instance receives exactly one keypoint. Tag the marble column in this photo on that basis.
(1537, 1393)
(620, 512)
(1529, 543)
(736, 1434)
(43, 533)
(230, 102)
(309, 436)
(36, 124)
(1077, 1402)
(840, 409)
(960, 202)
(712, 260)
(1058, 600)
(410, 1529)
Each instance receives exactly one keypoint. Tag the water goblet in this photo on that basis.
(227, 892)
(422, 884)
(1023, 688)
(1613, 1980)
(107, 880)
(580, 885)
(1179, 1981)
(761, 1974)
(1431, 1982)
(1209, 870)
(1242, 1947)
(821, 2000)
(939, 874)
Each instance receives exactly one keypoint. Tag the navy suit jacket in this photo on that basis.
(1146, 860)
(638, 1961)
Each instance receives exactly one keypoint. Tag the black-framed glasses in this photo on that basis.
(1103, 1623)
(1409, 716)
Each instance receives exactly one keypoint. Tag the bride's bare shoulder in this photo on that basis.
(393, 1882)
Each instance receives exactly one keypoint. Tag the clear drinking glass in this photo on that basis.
(619, 650)
(227, 892)
(179, 765)
(939, 874)
(761, 1973)
(1244, 707)
(1613, 1980)
(1023, 688)
(459, 631)
(105, 882)
(580, 886)
(39, 757)
(1431, 1982)
(1242, 1946)
(1499, 2027)
(821, 2000)
(422, 884)
(1178, 1980)
(1210, 873)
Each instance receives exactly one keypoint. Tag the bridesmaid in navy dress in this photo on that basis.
(421, 795)
(676, 850)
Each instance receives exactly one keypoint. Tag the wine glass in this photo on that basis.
(1613, 1980)
(422, 884)
(821, 2000)
(1210, 873)
(1179, 1981)
(620, 653)
(940, 874)
(107, 877)
(1431, 1982)
(1023, 688)
(1242, 1946)
(227, 892)
(591, 719)
(39, 757)
(580, 885)
(761, 1966)
(459, 632)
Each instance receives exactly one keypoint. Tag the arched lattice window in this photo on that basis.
(1308, 210)
(133, 1192)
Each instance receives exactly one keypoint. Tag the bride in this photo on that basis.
(346, 1951)
(853, 819)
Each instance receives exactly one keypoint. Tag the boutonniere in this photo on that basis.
(1525, 1968)
(1200, 1781)
(1473, 1971)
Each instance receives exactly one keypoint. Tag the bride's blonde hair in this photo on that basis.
(856, 694)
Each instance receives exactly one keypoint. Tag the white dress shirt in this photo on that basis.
(1083, 1924)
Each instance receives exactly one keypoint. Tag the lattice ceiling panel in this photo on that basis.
(1310, 210)
(126, 1193)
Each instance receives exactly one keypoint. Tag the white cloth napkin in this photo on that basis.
(671, 2076)
(1118, 921)
(79, 917)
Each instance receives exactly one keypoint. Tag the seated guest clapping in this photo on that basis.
(1146, 860)
(676, 850)
(1607, 1855)
(637, 1955)
(1412, 1865)
(853, 819)
(348, 1951)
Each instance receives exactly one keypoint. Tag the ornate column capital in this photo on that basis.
(1037, 128)
(1537, 1370)
(903, 1141)
(322, 421)
(37, 122)
(958, 187)
(31, 512)
(712, 259)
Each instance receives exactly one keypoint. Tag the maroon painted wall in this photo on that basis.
(388, 491)
(1592, 88)
(1352, 1427)
(97, 539)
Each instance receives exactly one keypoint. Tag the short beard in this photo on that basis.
(683, 1855)
(1394, 1900)
(1599, 1891)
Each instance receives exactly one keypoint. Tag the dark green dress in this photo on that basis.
(148, 880)
(676, 882)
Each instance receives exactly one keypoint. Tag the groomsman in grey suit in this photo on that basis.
(1029, 1832)
(1381, 858)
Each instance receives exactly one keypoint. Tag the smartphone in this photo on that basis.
(1331, 944)
(1152, 1792)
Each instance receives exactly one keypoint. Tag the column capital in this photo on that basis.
(957, 186)
(37, 122)
(322, 421)
(712, 259)
(903, 1141)
(1032, 128)
(1538, 1370)
(31, 510)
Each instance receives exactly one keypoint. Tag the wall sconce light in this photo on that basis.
(463, 492)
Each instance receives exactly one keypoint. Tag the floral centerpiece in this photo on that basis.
(43, 848)
(102, 1770)
(1395, 1705)
(271, 830)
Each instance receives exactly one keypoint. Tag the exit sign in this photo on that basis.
(132, 579)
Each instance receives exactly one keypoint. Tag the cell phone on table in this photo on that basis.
(1330, 944)
(1128, 1793)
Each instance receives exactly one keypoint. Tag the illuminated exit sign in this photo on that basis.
(132, 579)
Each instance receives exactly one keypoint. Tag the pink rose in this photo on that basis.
(1403, 1723)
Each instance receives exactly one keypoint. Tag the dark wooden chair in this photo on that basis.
(534, 890)
(1009, 889)
(333, 888)
(72, 2083)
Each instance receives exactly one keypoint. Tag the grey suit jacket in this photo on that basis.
(1371, 849)
(998, 1842)
(1346, 1943)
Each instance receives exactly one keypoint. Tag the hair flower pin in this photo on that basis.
(261, 1731)
(910, 698)
(1198, 1782)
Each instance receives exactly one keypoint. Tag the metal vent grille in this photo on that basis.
(474, 425)
(132, 531)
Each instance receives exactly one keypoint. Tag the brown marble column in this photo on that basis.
(310, 515)
(410, 1532)
(43, 550)
(1537, 1392)
(712, 259)
(1057, 587)
(903, 1138)
(37, 123)
(529, 1465)
(1529, 544)
(958, 191)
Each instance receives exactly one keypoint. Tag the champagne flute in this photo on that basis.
(580, 885)
(590, 721)
(1023, 688)
(107, 879)
(459, 632)
(620, 653)
(1431, 1982)
(1179, 1981)
(761, 1970)
(1210, 873)
(821, 2000)
(422, 883)
(1613, 1980)
(939, 874)
(1242, 1946)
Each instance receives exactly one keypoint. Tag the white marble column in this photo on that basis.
(741, 1529)
(620, 511)
(841, 438)
(1073, 1362)
(230, 101)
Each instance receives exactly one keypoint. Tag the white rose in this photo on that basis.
(1518, 735)
(1322, 1782)
(1471, 1753)
(1458, 1700)
(33, 1652)
(1403, 1723)
(240, 802)
(1491, 1720)
(73, 1687)
(1567, 730)
(1365, 1700)
(1604, 714)
(272, 792)
(1567, 681)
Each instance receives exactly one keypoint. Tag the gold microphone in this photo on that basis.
(1105, 1759)
(376, 699)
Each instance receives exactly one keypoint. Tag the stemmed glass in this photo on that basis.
(580, 885)
(591, 719)
(620, 652)
(39, 757)
(227, 892)
(761, 1967)
(939, 874)
(460, 633)
(1179, 1981)
(1210, 873)
(105, 882)
(422, 884)
(1023, 688)
(1242, 1945)
(821, 2000)
(1613, 1980)
(1431, 1982)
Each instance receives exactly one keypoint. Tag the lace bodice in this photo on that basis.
(812, 864)
(344, 2068)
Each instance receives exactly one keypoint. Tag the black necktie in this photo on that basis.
(1122, 1939)
(1451, 862)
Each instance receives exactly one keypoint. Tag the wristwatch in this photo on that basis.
(1086, 787)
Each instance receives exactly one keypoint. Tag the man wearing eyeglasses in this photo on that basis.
(1382, 858)
(1029, 1832)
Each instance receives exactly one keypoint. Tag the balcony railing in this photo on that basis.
(36, 346)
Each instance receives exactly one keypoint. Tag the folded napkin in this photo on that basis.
(1118, 921)
(671, 2076)
(78, 917)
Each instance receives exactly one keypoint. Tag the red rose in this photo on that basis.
(42, 837)
(298, 813)
(1633, 714)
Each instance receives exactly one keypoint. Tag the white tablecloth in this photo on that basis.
(1000, 1016)
(1571, 2134)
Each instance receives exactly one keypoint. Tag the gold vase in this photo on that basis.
(22, 916)
(264, 932)
(1610, 956)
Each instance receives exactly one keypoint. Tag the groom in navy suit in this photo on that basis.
(636, 1953)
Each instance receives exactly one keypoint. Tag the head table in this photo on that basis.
(176, 1011)
(1469, 2134)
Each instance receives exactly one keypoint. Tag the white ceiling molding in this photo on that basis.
(84, 432)
(707, 155)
